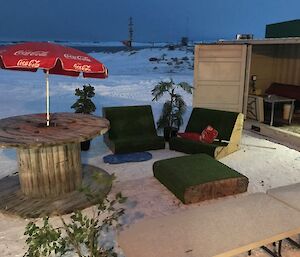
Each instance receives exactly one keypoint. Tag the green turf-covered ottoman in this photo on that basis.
(199, 177)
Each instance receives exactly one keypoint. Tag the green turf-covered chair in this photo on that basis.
(132, 129)
(228, 124)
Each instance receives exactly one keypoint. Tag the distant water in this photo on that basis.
(109, 49)
(98, 47)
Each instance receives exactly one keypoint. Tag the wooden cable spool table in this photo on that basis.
(49, 157)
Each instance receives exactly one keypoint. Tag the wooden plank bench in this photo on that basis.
(290, 196)
(224, 228)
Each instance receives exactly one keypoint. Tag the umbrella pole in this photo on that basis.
(47, 96)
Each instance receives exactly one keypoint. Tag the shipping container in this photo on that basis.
(223, 71)
(230, 75)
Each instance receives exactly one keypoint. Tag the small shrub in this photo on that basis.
(84, 103)
(83, 235)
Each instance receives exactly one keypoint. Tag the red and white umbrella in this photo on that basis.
(53, 59)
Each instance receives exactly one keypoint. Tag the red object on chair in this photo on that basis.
(190, 135)
(208, 135)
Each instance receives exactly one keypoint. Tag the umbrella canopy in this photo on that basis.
(53, 59)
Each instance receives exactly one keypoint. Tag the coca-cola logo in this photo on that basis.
(82, 67)
(28, 63)
(77, 57)
(31, 53)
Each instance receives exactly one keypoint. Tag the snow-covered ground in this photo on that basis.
(131, 78)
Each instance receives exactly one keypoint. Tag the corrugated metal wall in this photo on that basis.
(263, 64)
(287, 64)
(276, 63)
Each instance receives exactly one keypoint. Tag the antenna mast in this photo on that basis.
(130, 29)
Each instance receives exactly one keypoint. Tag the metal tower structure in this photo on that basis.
(130, 29)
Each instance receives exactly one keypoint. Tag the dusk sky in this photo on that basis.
(155, 20)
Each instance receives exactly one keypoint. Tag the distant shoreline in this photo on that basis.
(110, 49)
(99, 47)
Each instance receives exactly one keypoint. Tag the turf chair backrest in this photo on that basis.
(130, 121)
(222, 121)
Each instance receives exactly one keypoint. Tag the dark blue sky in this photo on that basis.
(155, 20)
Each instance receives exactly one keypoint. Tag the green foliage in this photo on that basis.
(83, 235)
(174, 108)
(42, 241)
(84, 103)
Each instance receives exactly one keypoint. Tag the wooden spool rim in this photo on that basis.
(14, 203)
(27, 131)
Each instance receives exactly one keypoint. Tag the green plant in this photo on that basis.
(174, 108)
(83, 235)
(84, 104)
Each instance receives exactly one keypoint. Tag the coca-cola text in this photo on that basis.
(77, 57)
(28, 63)
(82, 67)
(31, 53)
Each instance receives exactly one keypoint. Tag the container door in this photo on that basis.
(219, 77)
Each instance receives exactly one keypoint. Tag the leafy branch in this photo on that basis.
(83, 234)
